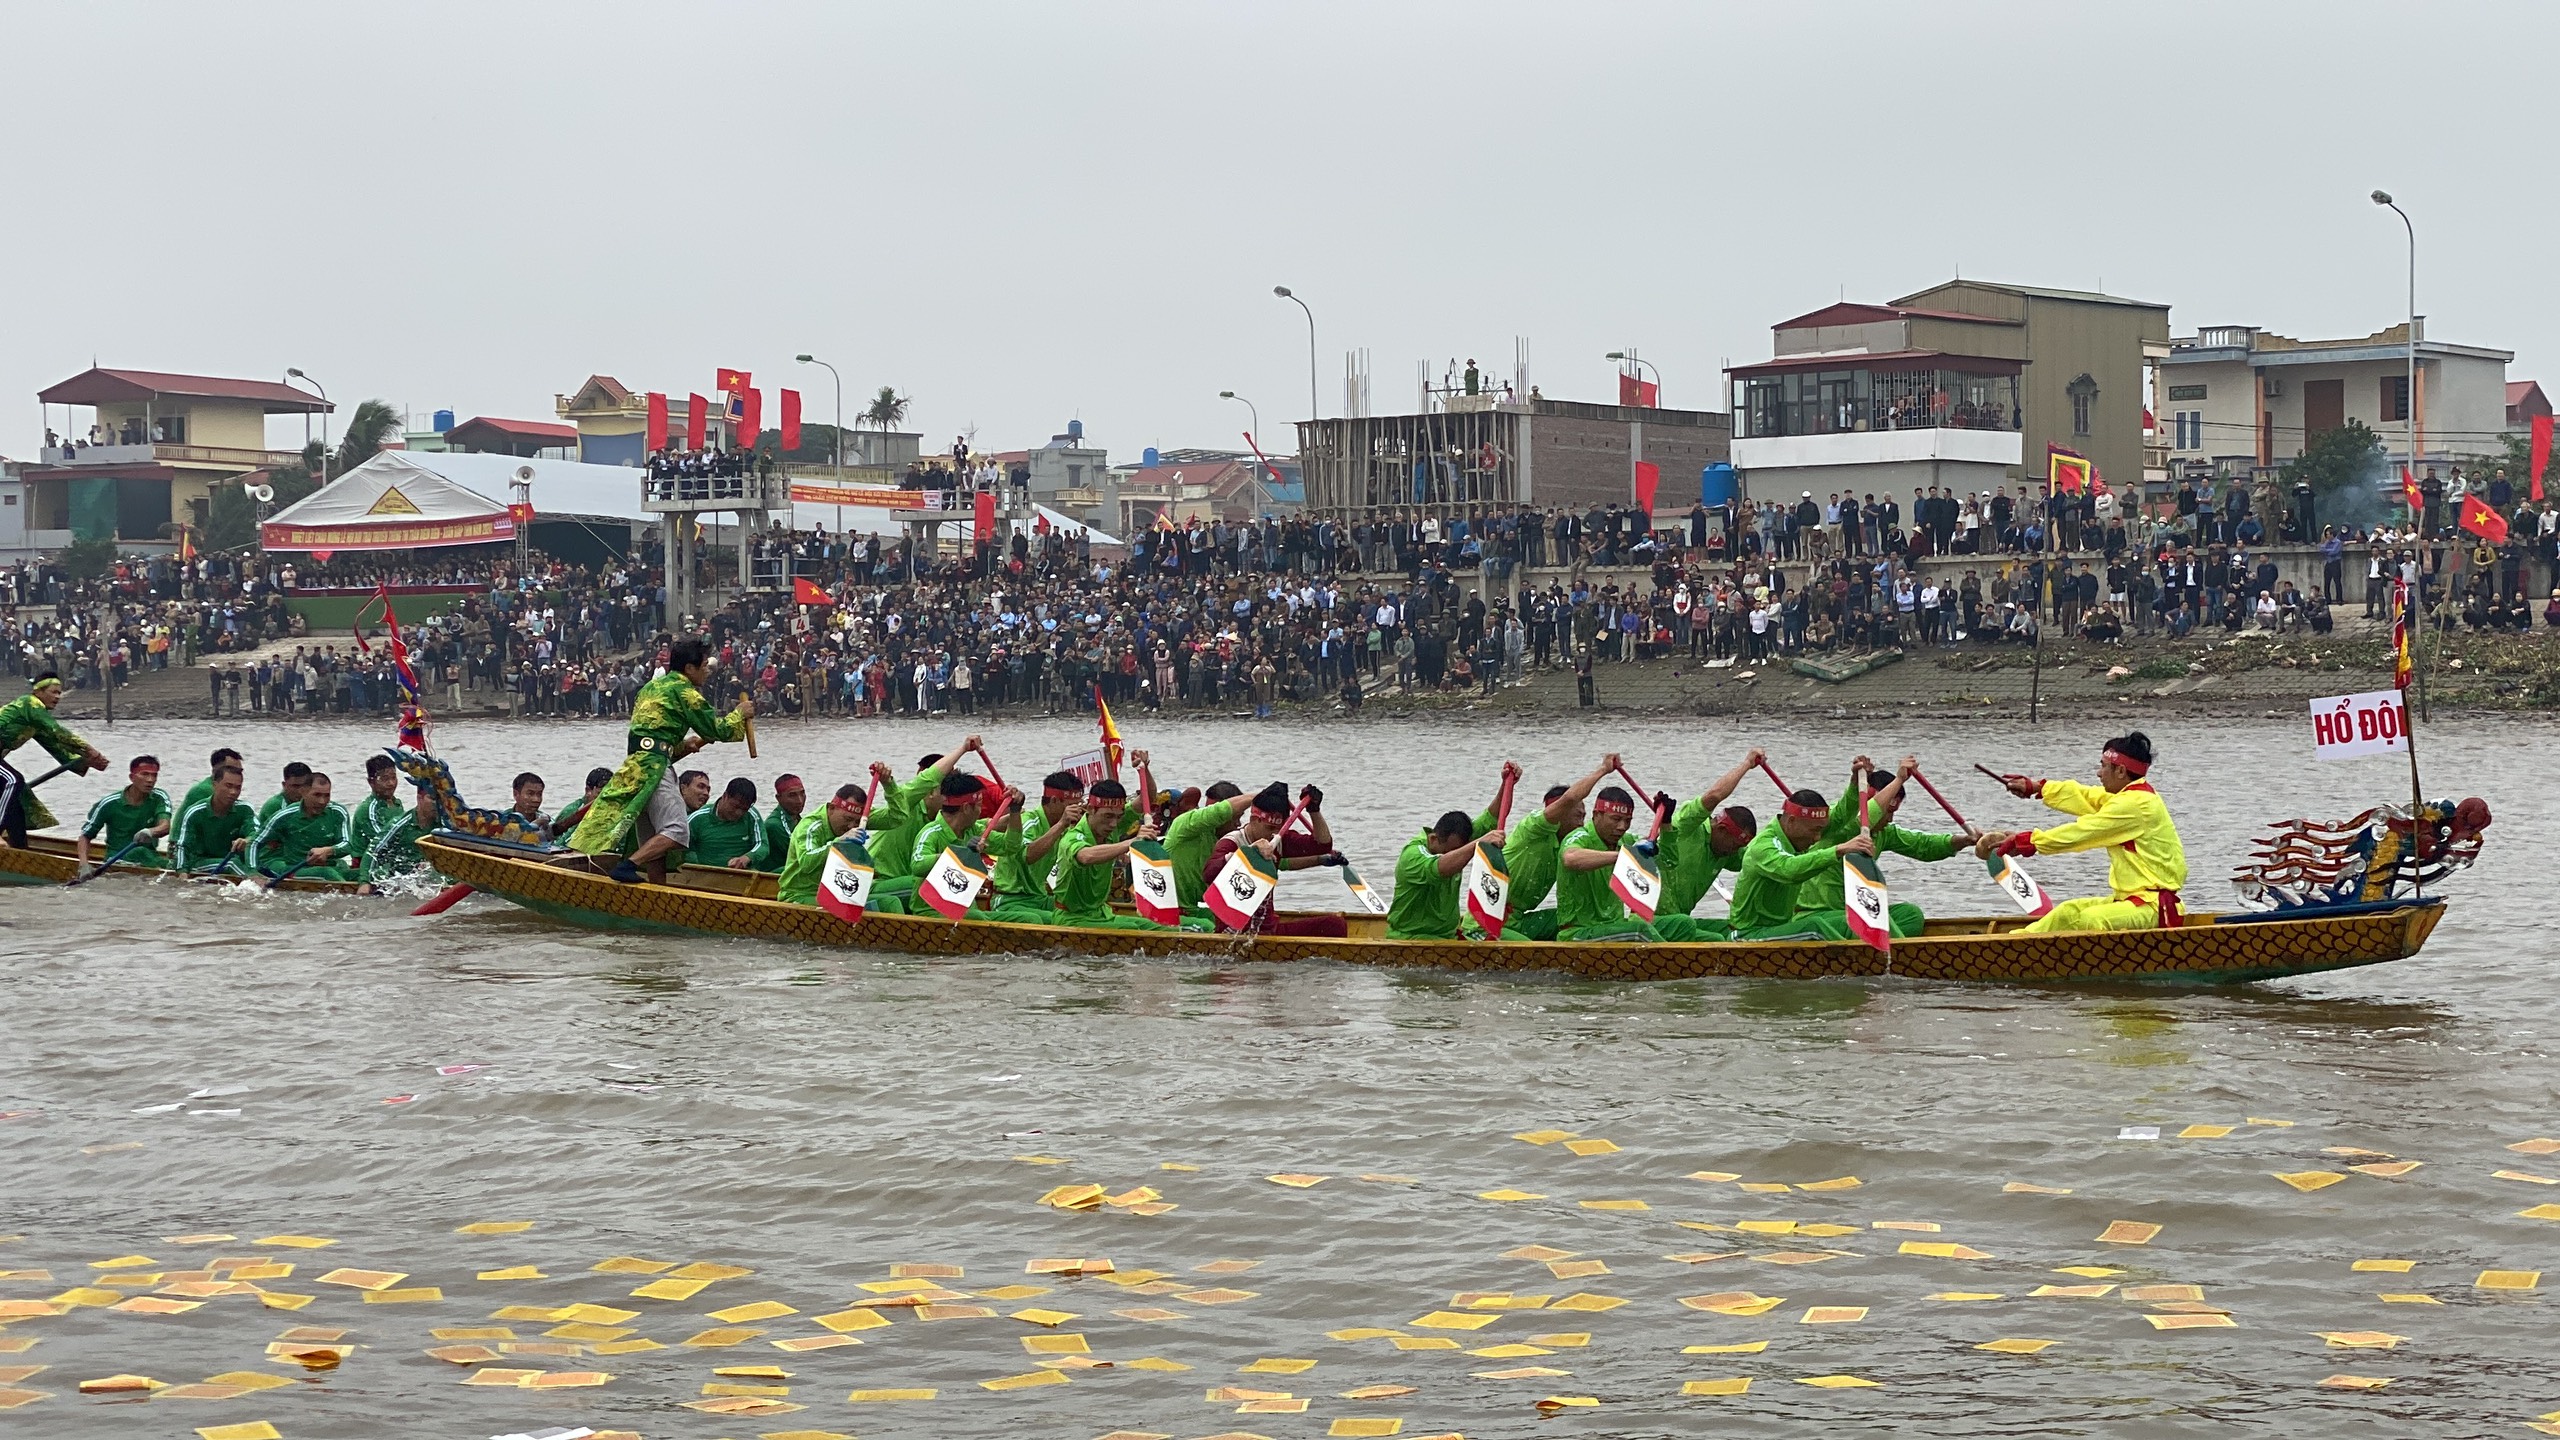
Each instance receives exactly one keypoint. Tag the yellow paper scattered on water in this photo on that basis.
(2014, 1347)
(1924, 1227)
(2536, 1146)
(1739, 1384)
(585, 1332)
(2396, 1267)
(2205, 1132)
(1544, 1137)
(412, 1295)
(1275, 1365)
(2270, 1124)
(597, 1314)
(860, 1397)
(1366, 1425)
(1296, 1182)
(1522, 1372)
(1509, 1195)
(718, 1337)
(1563, 1339)
(81, 1295)
(1825, 1230)
(2153, 1294)
(1614, 1205)
(1833, 1315)
(1713, 1177)
(1592, 1303)
(1041, 1159)
(2541, 1212)
(1836, 1382)
(513, 1272)
(1592, 1147)
(1453, 1320)
(1041, 1317)
(2191, 1322)
(854, 1319)
(759, 1310)
(1761, 1187)
(296, 1242)
(2021, 1187)
(2072, 1292)
(276, 1300)
(2354, 1382)
(632, 1265)
(243, 1430)
(1278, 1405)
(1177, 1165)
(1942, 1250)
(494, 1227)
(2129, 1232)
(1765, 1227)
(212, 1239)
(2087, 1272)
(671, 1289)
(1156, 1362)
(1070, 1344)
(1426, 1342)
(1845, 1182)
(1568, 1402)
(1538, 1253)
(1744, 1347)
(1511, 1352)
(2361, 1339)
(801, 1344)
(1734, 1302)
(2309, 1180)
(2407, 1297)
(2508, 1280)
(1217, 1296)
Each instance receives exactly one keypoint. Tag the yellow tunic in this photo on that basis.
(2144, 855)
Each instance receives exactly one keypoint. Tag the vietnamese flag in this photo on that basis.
(2541, 452)
(2483, 521)
(731, 381)
(697, 414)
(2409, 493)
(657, 436)
(1648, 482)
(790, 420)
(805, 591)
(750, 419)
(984, 516)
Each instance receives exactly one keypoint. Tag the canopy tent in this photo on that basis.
(559, 488)
(390, 502)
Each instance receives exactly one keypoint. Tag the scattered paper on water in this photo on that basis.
(1544, 1137)
(2396, 1267)
(2021, 1187)
(2015, 1347)
(2361, 1339)
(2354, 1382)
(1296, 1182)
(1837, 1382)
(2508, 1280)
(2129, 1232)
(2309, 1180)
(1592, 1147)
(1739, 1384)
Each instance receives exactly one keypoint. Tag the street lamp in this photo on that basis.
(1261, 497)
(1314, 411)
(831, 370)
(2408, 402)
(1622, 356)
(291, 375)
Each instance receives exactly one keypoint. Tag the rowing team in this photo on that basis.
(1055, 863)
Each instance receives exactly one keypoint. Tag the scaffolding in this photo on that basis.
(1434, 464)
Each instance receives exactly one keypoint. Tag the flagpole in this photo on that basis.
(2417, 793)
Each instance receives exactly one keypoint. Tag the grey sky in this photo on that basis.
(1024, 213)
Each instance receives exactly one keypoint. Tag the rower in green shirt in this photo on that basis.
(904, 809)
(955, 822)
(1430, 871)
(313, 835)
(204, 787)
(1587, 907)
(1824, 894)
(790, 797)
(1778, 863)
(821, 828)
(727, 832)
(1701, 843)
(565, 824)
(1024, 840)
(214, 833)
(137, 810)
(382, 832)
(1080, 882)
(1535, 847)
(1194, 833)
(296, 777)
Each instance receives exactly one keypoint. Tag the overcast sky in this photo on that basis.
(1020, 214)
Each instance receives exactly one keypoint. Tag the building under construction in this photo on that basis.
(1477, 450)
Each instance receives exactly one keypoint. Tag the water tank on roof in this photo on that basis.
(1717, 485)
(444, 421)
(1075, 432)
(1150, 458)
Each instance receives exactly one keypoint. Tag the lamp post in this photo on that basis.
(1261, 497)
(291, 375)
(831, 370)
(1622, 356)
(1313, 410)
(2408, 402)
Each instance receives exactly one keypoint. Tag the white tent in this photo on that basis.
(390, 502)
(560, 488)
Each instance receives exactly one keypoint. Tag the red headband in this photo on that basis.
(1622, 807)
(1053, 792)
(2126, 763)
(1727, 824)
(1803, 811)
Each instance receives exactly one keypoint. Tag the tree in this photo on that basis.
(2335, 459)
(86, 559)
(887, 409)
(373, 423)
(231, 521)
(817, 445)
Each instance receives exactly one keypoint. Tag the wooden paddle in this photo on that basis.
(2026, 894)
(1646, 796)
(109, 863)
(1369, 899)
(749, 723)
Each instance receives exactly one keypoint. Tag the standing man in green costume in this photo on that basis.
(213, 833)
(312, 837)
(1023, 842)
(1587, 906)
(1786, 855)
(1702, 842)
(816, 831)
(669, 720)
(1430, 871)
(30, 717)
(137, 809)
(1823, 896)
(1535, 848)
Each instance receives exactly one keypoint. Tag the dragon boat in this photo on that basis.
(53, 860)
(2326, 897)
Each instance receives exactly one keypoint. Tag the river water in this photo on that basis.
(819, 1117)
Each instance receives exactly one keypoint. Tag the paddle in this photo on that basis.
(445, 899)
(49, 774)
(1369, 899)
(1773, 778)
(2006, 872)
(109, 863)
(749, 724)
(289, 874)
(1659, 815)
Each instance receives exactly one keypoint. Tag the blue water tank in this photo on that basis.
(1149, 457)
(444, 421)
(1718, 485)
(1075, 432)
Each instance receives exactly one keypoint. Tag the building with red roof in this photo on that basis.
(138, 453)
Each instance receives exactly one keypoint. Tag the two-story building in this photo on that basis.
(1963, 385)
(2235, 396)
(149, 453)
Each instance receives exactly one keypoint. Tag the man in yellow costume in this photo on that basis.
(2146, 864)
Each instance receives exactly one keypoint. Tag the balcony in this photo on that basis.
(664, 494)
(221, 456)
(1880, 447)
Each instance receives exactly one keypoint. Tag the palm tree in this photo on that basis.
(373, 423)
(886, 409)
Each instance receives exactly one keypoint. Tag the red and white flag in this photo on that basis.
(1241, 887)
(1151, 887)
(2020, 887)
(1637, 883)
(952, 885)
(1488, 890)
(1869, 907)
(844, 886)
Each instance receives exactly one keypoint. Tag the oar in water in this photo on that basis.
(289, 874)
(2006, 873)
(445, 900)
(109, 863)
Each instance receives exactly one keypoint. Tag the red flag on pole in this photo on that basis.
(656, 440)
(1648, 394)
(731, 381)
(750, 417)
(2409, 493)
(1648, 480)
(790, 420)
(805, 591)
(2541, 452)
(985, 530)
(2482, 521)
(697, 414)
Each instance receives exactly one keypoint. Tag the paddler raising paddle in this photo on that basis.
(1587, 907)
(669, 720)
(30, 717)
(2146, 863)
(1425, 905)
(1266, 829)
(1779, 862)
(1822, 895)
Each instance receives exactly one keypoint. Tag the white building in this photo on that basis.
(2238, 396)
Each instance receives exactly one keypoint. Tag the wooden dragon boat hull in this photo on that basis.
(52, 860)
(2208, 950)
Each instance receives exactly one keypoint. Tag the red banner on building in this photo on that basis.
(986, 517)
(656, 440)
(790, 421)
(697, 414)
(1648, 481)
(750, 418)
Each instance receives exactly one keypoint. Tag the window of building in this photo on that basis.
(2084, 403)
(2395, 397)
(2188, 427)
(169, 430)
